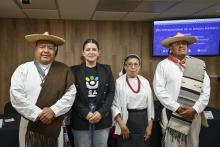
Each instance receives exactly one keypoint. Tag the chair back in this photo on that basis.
(9, 109)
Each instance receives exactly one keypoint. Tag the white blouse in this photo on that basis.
(121, 100)
(136, 100)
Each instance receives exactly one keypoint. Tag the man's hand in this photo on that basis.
(96, 117)
(46, 116)
(188, 113)
(180, 109)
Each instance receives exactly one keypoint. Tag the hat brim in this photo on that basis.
(36, 37)
(167, 42)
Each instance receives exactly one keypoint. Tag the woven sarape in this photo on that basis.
(191, 87)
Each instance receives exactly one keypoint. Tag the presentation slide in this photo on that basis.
(206, 30)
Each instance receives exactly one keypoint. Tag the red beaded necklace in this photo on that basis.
(139, 85)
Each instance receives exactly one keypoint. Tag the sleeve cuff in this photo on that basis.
(53, 108)
(175, 107)
(196, 108)
(36, 114)
(115, 113)
(151, 118)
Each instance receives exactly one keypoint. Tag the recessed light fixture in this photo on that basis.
(25, 1)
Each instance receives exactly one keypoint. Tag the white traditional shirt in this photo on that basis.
(25, 89)
(167, 83)
(121, 100)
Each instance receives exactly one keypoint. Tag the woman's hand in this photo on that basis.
(96, 117)
(125, 131)
(89, 115)
(148, 130)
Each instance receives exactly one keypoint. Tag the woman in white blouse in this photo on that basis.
(133, 108)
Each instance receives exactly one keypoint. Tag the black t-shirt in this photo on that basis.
(92, 83)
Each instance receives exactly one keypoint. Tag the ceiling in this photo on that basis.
(120, 10)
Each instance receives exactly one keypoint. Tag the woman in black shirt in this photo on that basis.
(91, 115)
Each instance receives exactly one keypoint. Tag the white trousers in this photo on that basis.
(192, 138)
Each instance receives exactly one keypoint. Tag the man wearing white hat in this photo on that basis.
(183, 87)
(42, 91)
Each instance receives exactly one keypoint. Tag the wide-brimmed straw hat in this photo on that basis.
(45, 36)
(178, 37)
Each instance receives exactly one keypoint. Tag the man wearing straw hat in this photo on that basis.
(183, 87)
(42, 91)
